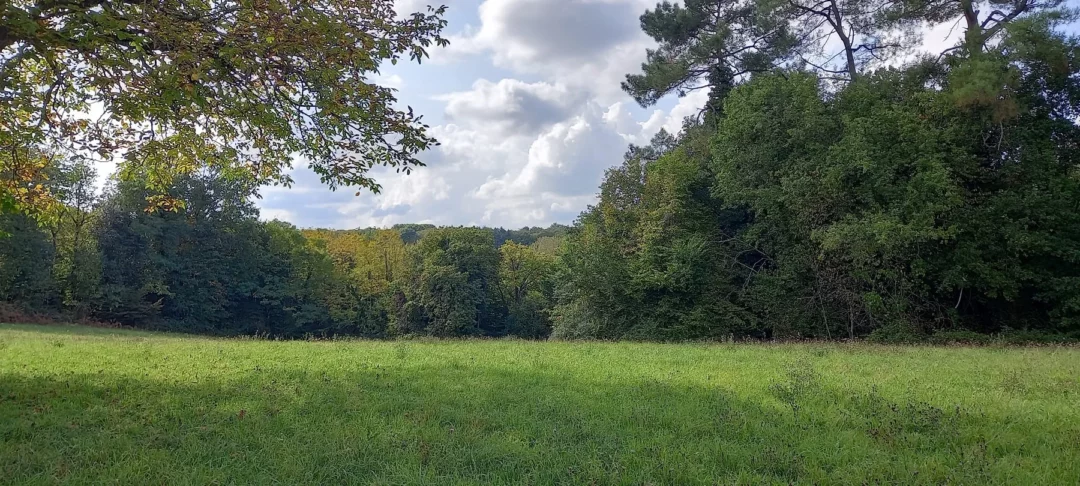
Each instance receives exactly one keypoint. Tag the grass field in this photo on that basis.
(85, 405)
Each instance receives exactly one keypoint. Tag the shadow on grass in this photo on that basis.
(69, 330)
(461, 423)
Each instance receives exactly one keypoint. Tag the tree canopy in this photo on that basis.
(713, 45)
(244, 86)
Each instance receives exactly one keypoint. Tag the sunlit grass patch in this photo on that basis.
(99, 405)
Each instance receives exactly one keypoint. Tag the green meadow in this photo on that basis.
(85, 405)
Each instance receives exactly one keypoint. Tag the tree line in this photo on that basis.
(835, 186)
(869, 197)
(211, 266)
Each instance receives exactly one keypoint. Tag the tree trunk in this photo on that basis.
(838, 26)
(973, 31)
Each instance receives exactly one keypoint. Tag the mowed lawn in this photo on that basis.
(85, 405)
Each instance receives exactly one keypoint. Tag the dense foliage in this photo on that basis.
(172, 86)
(898, 203)
(212, 267)
(941, 196)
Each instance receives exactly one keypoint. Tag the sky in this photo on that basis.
(527, 107)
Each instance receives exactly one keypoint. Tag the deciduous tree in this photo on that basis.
(246, 86)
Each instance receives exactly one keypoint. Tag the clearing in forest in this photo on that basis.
(89, 405)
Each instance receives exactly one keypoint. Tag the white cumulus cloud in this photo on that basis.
(528, 145)
(588, 44)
